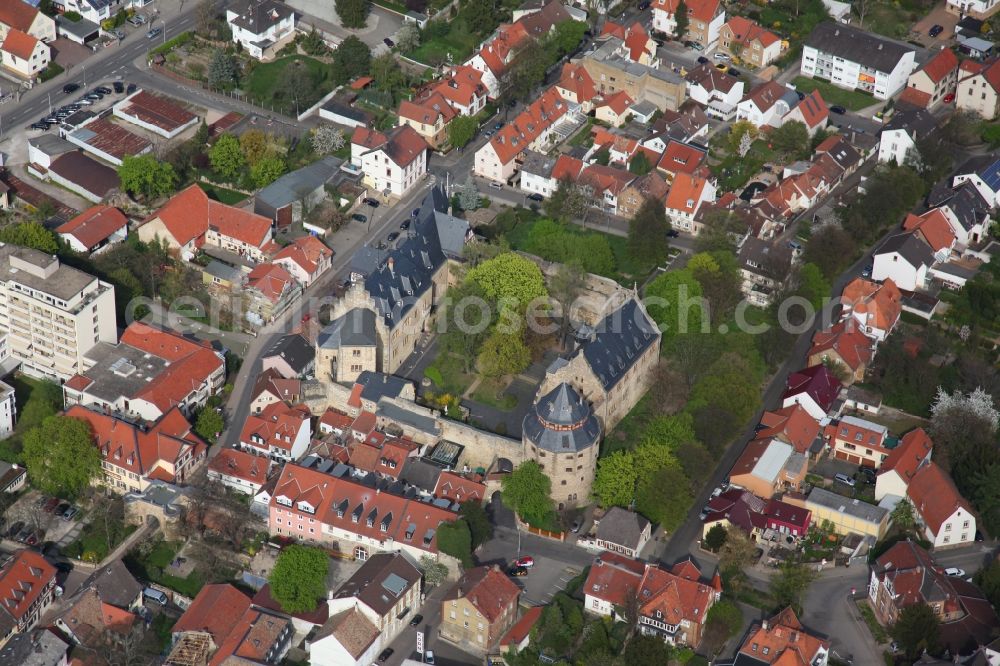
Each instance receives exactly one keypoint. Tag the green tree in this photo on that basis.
(902, 515)
(831, 249)
(526, 491)
(792, 138)
(462, 130)
(145, 176)
(468, 196)
(736, 132)
(645, 650)
(352, 13)
(988, 580)
(789, 585)
(673, 301)
(61, 456)
(647, 233)
(298, 580)
(267, 170)
(209, 424)
(664, 497)
(29, 234)
(435, 572)
(715, 538)
(227, 157)
(736, 555)
(681, 20)
(221, 71)
(455, 539)
(525, 73)
(567, 36)
(255, 145)
(722, 622)
(916, 630)
(467, 326)
(510, 278)
(640, 165)
(480, 15)
(407, 37)
(812, 285)
(351, 59)
(480, 527)
(614, 482)
(387, 73)
(503, 354)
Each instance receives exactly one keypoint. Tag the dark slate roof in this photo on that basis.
(562, 421)
(622, 527)
(355, 328)
(35, 647)
(420, 473)
(940, 193)
(452, 233)
(298, 184)
(346, 111)
(381, 581)
(857, 45)
(378, 385)
(115, 585)
(257, 16)
(538, 164)
(911, 248)
(620, 340)
(295, 351)
(968, 205)
(916, 121)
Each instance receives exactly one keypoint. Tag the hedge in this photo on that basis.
(171, 44)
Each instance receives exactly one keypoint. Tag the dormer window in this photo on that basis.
(283, 501)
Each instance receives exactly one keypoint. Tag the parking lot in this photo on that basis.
(36, 518)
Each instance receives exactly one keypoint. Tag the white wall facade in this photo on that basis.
(848, 74)
(893, 265)
(958, 529)
(894, 145)
(381, 173)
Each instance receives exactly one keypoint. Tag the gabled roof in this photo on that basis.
(990, 72)
(783, 642)
(856, 45)
(915, 97)
(276, 426)
(622, 527)
(17, 15)
(567, 167)
(915, 121)
(813, 109)
(381, 581)
(306, 252)
(940, 65)
(702, 10)
(618, 102)
(685, 193)
(746, 31)
(518, 134)
(711, 79)
(189, 214)
(914, 448)
(933, 227)
(463, 86)
(880, 305)
(575, 79)
(817, 382)
(253, 640)
(215, 610)
(94, 225)
(522, 628)
(19, 44)
(618, 342)
(22, 582)
(352, 629)
(427, 110)
(845, 338)
(912, 248)
(496, 53)
(681, 158)
(240, 465)
(791, 424)
(402, 144)
(614, 578)
(605, 178)
(488, 589)
(935, 496)
(763, 459)
(769, 93)
(271, 280)
(294, 350)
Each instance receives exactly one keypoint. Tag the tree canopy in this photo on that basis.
(526, 491)
(647, 233)
(29, 234)
(144, 175)
(227, 157)
(351, 59)
(61, 456)
(916, 630)
(510, 279)
(298, 580)
(352, 13)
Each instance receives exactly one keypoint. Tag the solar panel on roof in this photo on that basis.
(991, 176)
(394, 584)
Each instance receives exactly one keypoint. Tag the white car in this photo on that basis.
(496, 186)
(954, 571)
(719, 55)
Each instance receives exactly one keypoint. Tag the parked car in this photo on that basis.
(673, 233)
(949, 98)
(702, 60)
(488, 133)
(954, 571)
(130, 88)
(104, 90)
(62, 508)
(838, 109)
(517, 571)
(415, 212)
(368, 201)
(722, 67)
(935, 30)
(70, 513)
(154, 33)
(14, 529)
(384, 656)
(388, 42)
(70, 88)
(497, 127)
(119, 87)
(843, 478)
(404, 225)
(39, 126)
(535, 196)
(51, 504)
(83, 101)
(417, 619)
(358, 217)
(120, 34)
(694, 45)
(734, 73)
(155, 595)
(495, 185)
(137, 20)
(526, 561)
(392, 236)
(429, 657)
(719, 55)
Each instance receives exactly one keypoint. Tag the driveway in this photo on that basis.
(938, 16)
(323, 14)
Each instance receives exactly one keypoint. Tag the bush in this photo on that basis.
(171, 44)
(52, 71)
(73, 17)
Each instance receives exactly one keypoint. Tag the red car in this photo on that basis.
(51, 505)
(949, 98)
(527, 561)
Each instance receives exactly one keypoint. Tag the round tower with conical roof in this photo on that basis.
(562, 434)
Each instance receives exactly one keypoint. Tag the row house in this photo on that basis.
(541, 174)
(27, 588)
(463, 89)
(604, 185)
(650, 186)
(718, 92)
(639, 47)
(530, 130)
(190, 220)
(740, 509)
(315, 507)
(978, 88)
(132, 457)
(280, 432)
(764, 267)
(749, 42)
(898, 138)
(242, 471)
(931, 82)
(857, 60)
(686, 196)
(576, 86)
(859, 442)
(672, 603)
(705, 19)
(393, 162)
(479, 609)
(814, 388)
(306, 258)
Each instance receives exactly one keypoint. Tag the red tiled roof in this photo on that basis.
(522, 627)
(991, 72)
(606, 178)
(790, 424)
(813, 109)
(402, 145)
(577, 80)
(160, 342)
(189, 214)
(913, 449)
(368, 138)
(270, 280)
(17, 15)
(685, 193)
(496, 54)
(783, 642)
(789, 514)
(271, 381)
(915, 97)
(252, 639)
(567, 167)
(360, 82)
(674, 599)
(845, 338)
(157, 110)
(19, 44)
(636, 41)
(23, 581)
(517, 135)
(458, 488)
(94, 225)
(216, 610)
(462, 86)
(935, 496)
(241, 465)
(614, 578)
(488, 589)
(306, 252)
(746, 31)
(765, 95)
(169, 441)
(680, 158)
(881, 304)
(335, 420)
(817, 382)
(933, 227)
(619, 102)
(276, 426)
(702, 10)
(78, 382)
(938, 67)
(427, 110)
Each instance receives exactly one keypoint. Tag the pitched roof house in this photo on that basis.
(928, 85)
(792, 424)
(279, 431)
(843, 345)
(814, 388)
(240, 470)
(27, 586)
(622, 531)
(748, 41)
(769, 466)
(901, 466)
(488, 598)
(874, 307)
(306, 258)
(782, 641)
(945, 515)
(94, 228)
(392, 162)
(705, 19)
(978, 90)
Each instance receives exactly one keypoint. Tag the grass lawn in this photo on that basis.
(734, 172)
(460, 42)
(492, 392)
(890, 19)
(584, 137)
(153, 567)
(221, 194)
(849, 99)
(92, 546)
(448, 375)
(267, 79)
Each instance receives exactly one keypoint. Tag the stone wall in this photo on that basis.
(482, 447)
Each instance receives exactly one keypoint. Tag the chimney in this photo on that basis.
(764, 623)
